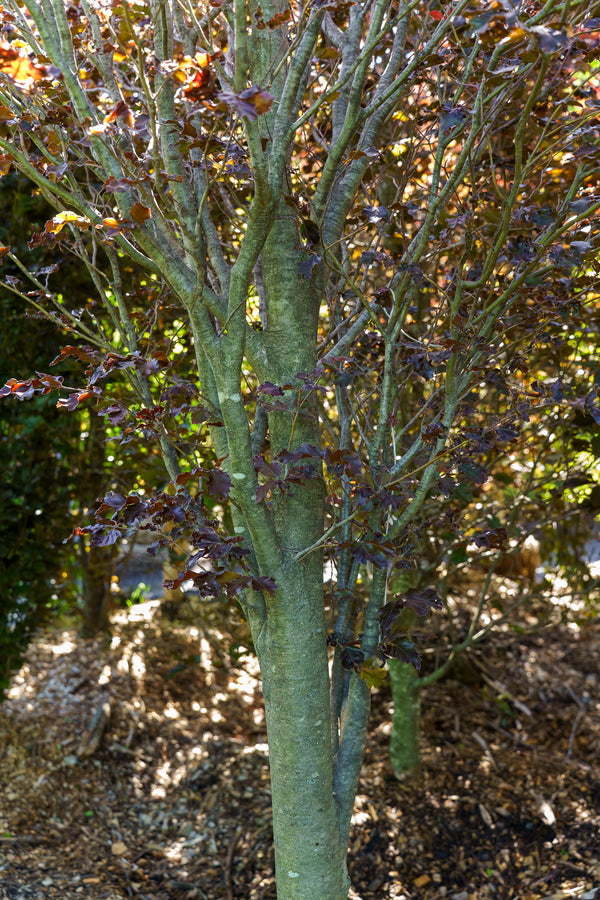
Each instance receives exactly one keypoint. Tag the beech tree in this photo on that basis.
(343, 206)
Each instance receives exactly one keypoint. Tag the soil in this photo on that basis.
(139, 769)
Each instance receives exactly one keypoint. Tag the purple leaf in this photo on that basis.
(352, 658)
(422, 602)
(304, 451)
(376, 214)
(115, 413)
(388, 616)
(472, 471)
(264, 583)
(307, 266)
(115, 500)
(271, 389)
(496, 539)
(404, 650)
(250, 104)
(372, 256)
(219, 483)
(100, 536)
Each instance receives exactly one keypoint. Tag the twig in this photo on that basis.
(130, 733)
(229, 864)
(256, 836)
(92, 736)
(578, 718)
(501, 689)
(545, 878)
(124, 868)
(568, 865)
(115, 747)
(581, 711)
(515, 738)
(31, 839)
(187, 885)
(485, 747)
(576, 699)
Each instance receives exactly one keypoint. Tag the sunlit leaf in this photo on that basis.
(372, 675)
(17, 64)
(121, 111)
(6, 162)
(140, 214)
(376, 214)
(249, 104)
(278, 19)
(56, 224)
(85, 354)
(73, 400)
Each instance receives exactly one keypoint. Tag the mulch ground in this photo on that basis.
(174, 802)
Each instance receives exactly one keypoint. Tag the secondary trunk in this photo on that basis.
(404, 745)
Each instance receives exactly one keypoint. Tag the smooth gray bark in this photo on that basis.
(309, 853)
(406, 728)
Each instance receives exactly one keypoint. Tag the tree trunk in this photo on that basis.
(310, 853)
(404, 745)
(310, 859)
(97, 564)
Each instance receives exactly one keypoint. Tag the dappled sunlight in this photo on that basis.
(138, 666)
(66, 645)
(257, 748)
(60, 651)
(360, 817)
(174, 851)
(246, 684)
(139, 612)
(105, 675)
(166, 777)
(21, 685)
(184, 765)
(364, 810)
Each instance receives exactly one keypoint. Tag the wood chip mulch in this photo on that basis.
(140, 770)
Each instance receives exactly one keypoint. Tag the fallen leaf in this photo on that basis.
(485, 815)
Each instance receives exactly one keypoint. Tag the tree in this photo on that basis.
(39, 456)
(52, 470)
(346, 203)
(31, 491)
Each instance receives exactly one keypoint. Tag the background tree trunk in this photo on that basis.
(97, 563)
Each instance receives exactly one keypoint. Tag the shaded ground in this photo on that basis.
(174, 803)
